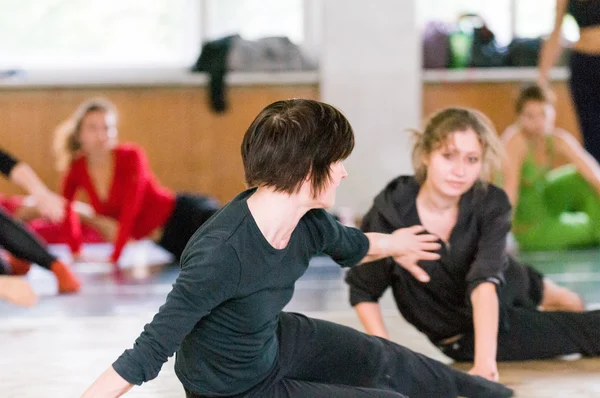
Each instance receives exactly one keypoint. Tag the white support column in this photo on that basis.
(370, 62)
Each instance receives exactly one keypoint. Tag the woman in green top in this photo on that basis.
(556, 208)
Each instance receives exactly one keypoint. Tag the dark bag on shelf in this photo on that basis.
(524, 52)
(485, 51)
(436, 45)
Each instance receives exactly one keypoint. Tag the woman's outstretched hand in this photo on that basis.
(412, 246)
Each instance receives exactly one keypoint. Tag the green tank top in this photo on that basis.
(531, 206)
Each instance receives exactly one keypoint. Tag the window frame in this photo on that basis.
(170, 76)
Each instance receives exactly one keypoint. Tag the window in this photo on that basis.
(534, 18)
(506, 18)
(97, 34)
(496, 13)
(254, 19)
(121, 34)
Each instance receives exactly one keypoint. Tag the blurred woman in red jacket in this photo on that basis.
(120, 185)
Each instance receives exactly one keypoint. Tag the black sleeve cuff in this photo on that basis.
(123, 368)
(357, 294)
(7, 162)
(475, 283)
(361, 252)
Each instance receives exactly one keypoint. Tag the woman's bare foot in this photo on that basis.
(558, 298)
(17, 291)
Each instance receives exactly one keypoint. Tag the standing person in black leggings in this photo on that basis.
(584, 66)
(17, 241)
(224, 315)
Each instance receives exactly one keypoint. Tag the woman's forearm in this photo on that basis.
(24, 176)
(549, 54)
(371, 319)
(109, 384)
(552, 47)
(591, 176)
(48, 203)
(584, 163)
(485, 321)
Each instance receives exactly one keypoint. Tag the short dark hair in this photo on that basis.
(292, 139)
(531, 92)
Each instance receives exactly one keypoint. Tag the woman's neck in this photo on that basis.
(535, 138)
(277, 214)
(438, 213)
(432, 200)
(99, 158)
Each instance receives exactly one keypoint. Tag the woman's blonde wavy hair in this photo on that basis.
(441, 125)
(66, 135)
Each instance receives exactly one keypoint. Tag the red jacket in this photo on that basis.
(135, 198)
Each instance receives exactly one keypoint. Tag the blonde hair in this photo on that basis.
(441, 125)
(66, 135)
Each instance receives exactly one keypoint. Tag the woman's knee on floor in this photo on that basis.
(558, 298)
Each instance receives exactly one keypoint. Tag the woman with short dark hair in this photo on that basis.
(224, 315)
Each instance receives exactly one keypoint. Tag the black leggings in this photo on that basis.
(523, 287)
(320, 359)
(536, 334)
(585, 91)
(526, 333)
(190, 212)
(21, 243)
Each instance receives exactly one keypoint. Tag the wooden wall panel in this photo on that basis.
(193, 149)
(189, 147)
(495, 100)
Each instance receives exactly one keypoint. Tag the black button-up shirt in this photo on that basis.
(474, 254)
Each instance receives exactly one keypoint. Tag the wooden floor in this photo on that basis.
(57, 348)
